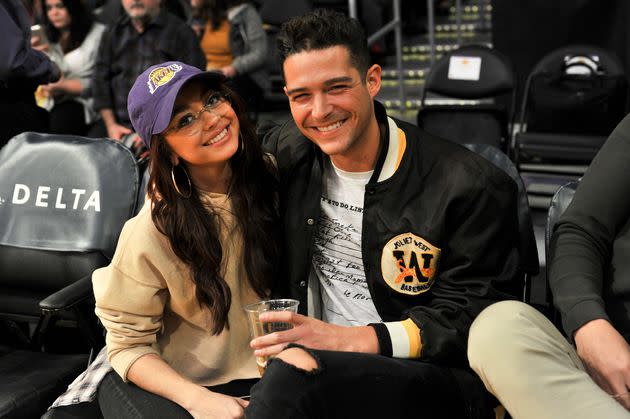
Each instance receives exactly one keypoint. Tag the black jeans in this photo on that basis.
(353, 385)
(120, 400)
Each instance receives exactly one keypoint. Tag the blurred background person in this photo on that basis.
(74, 38)
(146, 35)
(234, 41)
(22, 69)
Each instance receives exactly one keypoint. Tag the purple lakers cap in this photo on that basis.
(152, 96)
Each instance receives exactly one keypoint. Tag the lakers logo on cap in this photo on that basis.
(409, 264)
(162, 75)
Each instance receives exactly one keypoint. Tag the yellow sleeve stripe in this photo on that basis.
(402, 145)
(405, 336)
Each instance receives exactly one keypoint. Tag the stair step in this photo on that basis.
(407, 73)
(425, 48)
(468, 17)
(471, 9)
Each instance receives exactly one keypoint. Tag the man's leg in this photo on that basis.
(345, 385)
(532, 369)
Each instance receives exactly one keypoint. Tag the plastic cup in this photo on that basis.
(258, 328)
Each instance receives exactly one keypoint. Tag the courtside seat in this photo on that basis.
(63, 203)
(468, 97)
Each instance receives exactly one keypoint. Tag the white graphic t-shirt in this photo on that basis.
(337, 260)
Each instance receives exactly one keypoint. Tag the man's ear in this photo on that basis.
(285, 91)
(373, 80)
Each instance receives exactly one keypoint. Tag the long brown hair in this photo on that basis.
(193, 229)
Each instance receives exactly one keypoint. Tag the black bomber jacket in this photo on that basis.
(439, 236)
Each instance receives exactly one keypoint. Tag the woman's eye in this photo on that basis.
(185, 120)
(213, 100)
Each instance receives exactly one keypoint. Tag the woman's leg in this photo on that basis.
(120, 400)
(346, 385)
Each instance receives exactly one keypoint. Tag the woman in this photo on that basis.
(234, 41)
(202, 247)
(74, 39)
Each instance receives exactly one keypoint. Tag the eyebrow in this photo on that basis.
(182, 107)
(344, 79)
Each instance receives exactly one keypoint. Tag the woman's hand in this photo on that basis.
(206, 404)
(38, 44)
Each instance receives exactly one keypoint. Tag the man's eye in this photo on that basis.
(337, 87)
(185, 121)
(300, 98)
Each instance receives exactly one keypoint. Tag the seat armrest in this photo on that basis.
(69, 296)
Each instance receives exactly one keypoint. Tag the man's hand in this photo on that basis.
(606, 355)
(228, 71)
(314, 334)
(55, 89)
(116, 131)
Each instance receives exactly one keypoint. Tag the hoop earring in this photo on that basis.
(179, 192)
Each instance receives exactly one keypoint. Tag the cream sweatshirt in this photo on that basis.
(146, 300)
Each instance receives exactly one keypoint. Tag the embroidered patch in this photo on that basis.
(162, 75)
(409, 264)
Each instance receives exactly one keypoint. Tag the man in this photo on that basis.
(393, 242)
(22, 69)
(145, 36)
(522, 358)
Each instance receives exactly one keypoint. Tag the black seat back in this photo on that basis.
(527, 240)
(63, 202)
(475, 85)
(573, 98)
(559, 203)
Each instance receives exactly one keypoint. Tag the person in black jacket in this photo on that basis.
(394, 241)
(22, 69)
(526, 362)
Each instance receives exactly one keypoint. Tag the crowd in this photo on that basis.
(402, 248)
(94, 56)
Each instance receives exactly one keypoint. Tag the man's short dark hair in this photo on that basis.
(321, 29)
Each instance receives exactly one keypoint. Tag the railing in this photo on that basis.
(394, 25)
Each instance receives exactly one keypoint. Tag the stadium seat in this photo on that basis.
(527, 244)
(273, 14)
(472, 99)
(572, 100)
(559, 203)
(63, 202)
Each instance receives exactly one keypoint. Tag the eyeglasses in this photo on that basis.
(189, 124)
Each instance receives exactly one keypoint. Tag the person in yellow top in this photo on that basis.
(234, 41)
(203, 246)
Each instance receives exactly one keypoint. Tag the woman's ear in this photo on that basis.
(174, 159)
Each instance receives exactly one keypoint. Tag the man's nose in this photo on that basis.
(321, 107)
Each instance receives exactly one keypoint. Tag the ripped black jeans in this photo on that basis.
(354, 385)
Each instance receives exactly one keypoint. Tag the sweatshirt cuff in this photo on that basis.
(401, 339)
(122, 361)
(582, 313)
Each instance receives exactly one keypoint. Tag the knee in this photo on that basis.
(299, 358)
(496, 331)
